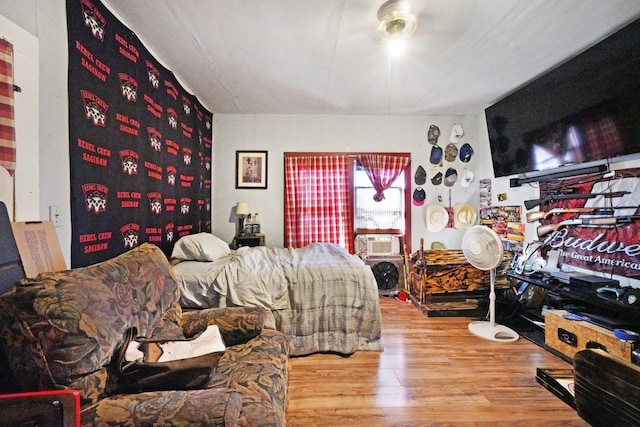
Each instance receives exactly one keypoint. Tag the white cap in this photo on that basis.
(456, 133)
(467, 178)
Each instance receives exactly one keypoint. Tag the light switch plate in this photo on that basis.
(55, 215)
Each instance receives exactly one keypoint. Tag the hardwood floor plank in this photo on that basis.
(432, 372)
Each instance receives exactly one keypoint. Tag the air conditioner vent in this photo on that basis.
(368, 245)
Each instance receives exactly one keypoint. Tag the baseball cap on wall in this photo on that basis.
(467, 178)
(436, 155)
(456, 133)
(420, 176)
(450, 152)
(437, 179)
(450, 177)
(418, 196)
(433, 134)
(466, 152)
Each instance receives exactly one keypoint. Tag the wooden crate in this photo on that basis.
(415, 285)
(449, 271)
(444, 283)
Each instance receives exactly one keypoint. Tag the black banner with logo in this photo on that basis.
(139, 144)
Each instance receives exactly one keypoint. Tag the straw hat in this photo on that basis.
(464, 215)
(437, 218)
(437, 246)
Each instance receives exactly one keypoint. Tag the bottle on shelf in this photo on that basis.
(248, 225)
(256, 224)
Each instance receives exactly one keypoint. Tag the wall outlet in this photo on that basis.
(55, 215)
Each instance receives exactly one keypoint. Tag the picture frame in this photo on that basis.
(251, 169)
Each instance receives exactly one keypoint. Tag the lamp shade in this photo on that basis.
(242, 208)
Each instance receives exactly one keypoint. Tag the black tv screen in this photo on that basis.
(584, 111)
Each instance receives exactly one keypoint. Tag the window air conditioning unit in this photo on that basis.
(375, 245)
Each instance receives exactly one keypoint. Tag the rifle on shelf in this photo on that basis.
(613, 220)
(529, 204)
(537, 216)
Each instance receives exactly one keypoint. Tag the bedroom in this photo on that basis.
(46, 186)
(40, 186)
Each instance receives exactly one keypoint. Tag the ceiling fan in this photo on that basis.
(395, 21)
(483, 249)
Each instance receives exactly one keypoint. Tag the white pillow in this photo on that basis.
(200, 247)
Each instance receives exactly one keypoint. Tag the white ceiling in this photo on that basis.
(322, 56)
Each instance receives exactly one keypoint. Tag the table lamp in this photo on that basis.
(242, 210)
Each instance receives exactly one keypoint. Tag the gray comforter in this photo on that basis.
(322, 297)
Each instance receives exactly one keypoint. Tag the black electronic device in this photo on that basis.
(592, 282)
(11, 269)
(550, 124)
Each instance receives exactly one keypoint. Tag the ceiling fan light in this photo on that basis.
(395, 26)
(393, 6)
(396, 21)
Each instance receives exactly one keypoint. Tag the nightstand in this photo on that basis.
(248, 240)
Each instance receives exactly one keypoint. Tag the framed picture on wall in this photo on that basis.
(251, 169)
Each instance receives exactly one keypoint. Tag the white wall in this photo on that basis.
(278, 134)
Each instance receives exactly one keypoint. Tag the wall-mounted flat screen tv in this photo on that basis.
(585, 111)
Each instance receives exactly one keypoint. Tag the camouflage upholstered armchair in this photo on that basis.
(61, 331)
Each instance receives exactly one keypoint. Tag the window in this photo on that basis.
(372, 215)
(329, 196)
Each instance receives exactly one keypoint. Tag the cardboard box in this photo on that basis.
(38, 246)
(570, 336)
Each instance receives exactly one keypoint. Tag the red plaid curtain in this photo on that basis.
(318, 200)
(383, 170)
(7, 130)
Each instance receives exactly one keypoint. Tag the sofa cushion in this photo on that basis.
(215, 407)
(237, 324)
(69, 324)
(259, 371)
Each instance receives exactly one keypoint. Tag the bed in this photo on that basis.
(323, 298)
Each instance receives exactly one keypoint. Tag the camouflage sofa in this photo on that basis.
(61, 331)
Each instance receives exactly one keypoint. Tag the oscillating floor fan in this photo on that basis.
(482, 247)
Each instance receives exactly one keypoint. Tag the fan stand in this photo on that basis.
(490, 330)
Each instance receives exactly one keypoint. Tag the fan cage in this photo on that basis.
(482, 247)
(384, 284)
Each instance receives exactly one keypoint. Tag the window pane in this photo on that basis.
(389, 213)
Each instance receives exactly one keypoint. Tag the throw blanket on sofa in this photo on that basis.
(322, 297)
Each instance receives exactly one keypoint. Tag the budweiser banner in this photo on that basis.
(593, 222)
(139, 144)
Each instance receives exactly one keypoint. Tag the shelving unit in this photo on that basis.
(538, 294)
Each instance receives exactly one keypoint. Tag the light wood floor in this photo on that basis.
(433, 372)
